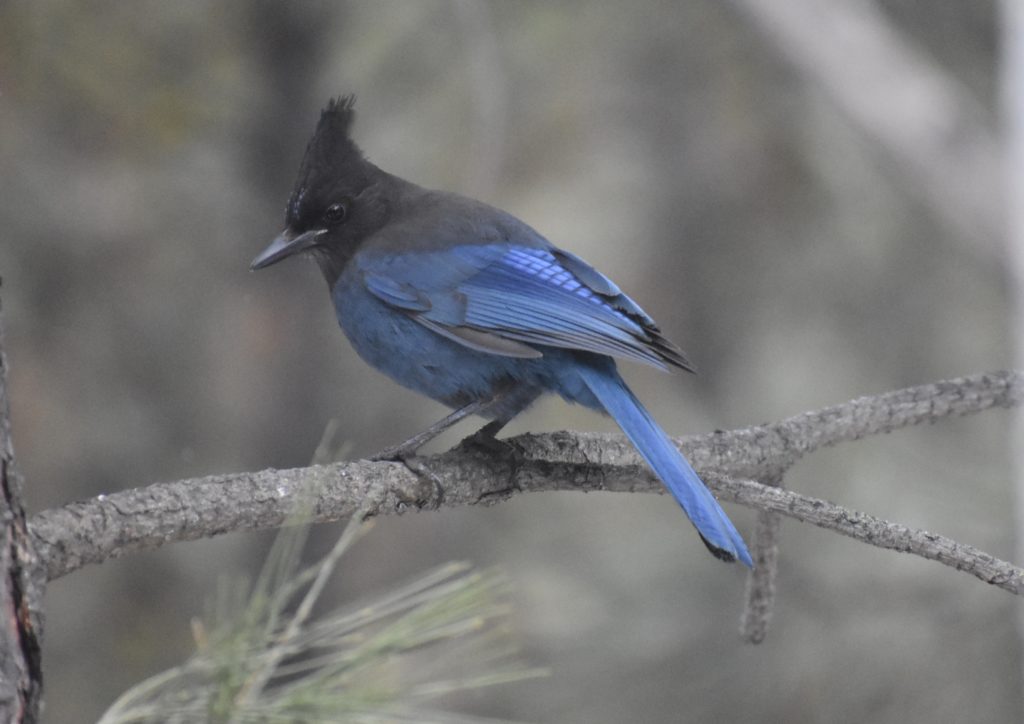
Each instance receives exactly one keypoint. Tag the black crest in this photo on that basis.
(336, 118)
(330, 155)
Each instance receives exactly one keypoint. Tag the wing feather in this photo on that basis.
(503, 298)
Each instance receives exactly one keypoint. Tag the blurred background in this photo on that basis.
(148, 149)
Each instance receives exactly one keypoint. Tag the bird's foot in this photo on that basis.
(485, 439)
(405, 453)
(428, 476)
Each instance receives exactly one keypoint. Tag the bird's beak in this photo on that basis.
(284, 246)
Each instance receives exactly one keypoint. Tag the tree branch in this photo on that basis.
(21, 585)
(875, 531)
(757, 612)
(107, 526)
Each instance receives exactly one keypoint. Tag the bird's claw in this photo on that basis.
(484, 440)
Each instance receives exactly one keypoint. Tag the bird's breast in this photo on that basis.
(394, 343)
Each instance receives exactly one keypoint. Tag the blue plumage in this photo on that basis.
(665, 459)
(466, 304)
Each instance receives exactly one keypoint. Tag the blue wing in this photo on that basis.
(505, 298)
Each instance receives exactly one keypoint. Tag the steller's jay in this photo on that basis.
(470, 306)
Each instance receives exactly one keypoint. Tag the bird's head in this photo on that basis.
(338, 200)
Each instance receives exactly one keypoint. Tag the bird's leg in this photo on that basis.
(487, 437)
(408, 448)
(503, 408)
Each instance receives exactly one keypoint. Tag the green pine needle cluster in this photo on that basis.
(262, 656)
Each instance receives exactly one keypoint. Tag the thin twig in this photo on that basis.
(760, 594)
(875, 531)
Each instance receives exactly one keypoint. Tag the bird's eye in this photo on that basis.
(335, 213)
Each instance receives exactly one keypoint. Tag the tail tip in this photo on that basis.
(741, 553)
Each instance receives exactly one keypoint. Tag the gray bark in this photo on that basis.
(21, 585)
(144, 518)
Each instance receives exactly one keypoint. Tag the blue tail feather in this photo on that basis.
(668, 463)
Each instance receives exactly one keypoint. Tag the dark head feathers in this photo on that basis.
(336, 118)
(331, 155)
(331, 143)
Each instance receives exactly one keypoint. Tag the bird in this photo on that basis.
(466, 304)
